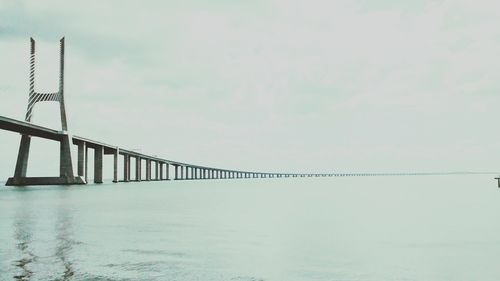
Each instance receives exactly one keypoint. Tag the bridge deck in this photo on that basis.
(27, 128)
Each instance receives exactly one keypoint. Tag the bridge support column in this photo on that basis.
(82, 149)
(82, 160)
(65, 164)
(157, 170)
(126, 167)
(167, 171)
(98, 157)
(22, 157)
(148, 170)
(138, 172)
(176, 172)
(115, 165)
(161, 170)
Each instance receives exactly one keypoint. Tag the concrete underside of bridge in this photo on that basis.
(21, 181)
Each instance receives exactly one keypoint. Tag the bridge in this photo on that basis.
(164, 169)
(161, 166)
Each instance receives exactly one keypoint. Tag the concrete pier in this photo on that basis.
(148, 169)
(98, 158)
(115, 166)
(138, 172)
(126, 168)
(157, 171)
(82, 155)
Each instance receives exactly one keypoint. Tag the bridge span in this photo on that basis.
(164, 169)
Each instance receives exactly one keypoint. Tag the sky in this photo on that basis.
(298, 86)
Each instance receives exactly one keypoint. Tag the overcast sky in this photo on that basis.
(264, 85)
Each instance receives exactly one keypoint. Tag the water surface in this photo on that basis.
(378, 228)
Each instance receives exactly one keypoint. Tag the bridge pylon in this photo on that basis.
(66, 175)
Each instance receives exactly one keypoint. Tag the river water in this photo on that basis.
(360, 228)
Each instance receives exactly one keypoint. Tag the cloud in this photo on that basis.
(264, 84)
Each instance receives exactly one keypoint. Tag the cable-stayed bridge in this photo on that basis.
(155, 168)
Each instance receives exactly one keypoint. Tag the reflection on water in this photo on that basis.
(23, 236)
(24, 227)
(429, 228)
(64, 235)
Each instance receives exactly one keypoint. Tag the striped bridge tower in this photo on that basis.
(66, 175)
